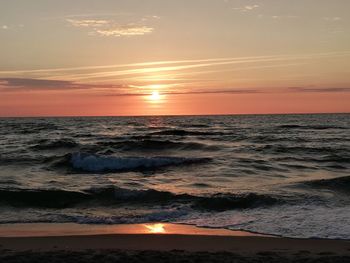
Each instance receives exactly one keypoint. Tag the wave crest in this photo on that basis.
(222, 202)
(99, 164)
(179, 132)
(55, 144)
(146, 143)
(310, 127)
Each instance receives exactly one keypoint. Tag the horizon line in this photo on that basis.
(170, 115)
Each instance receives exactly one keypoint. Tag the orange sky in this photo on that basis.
(104, 57)
(53, 104)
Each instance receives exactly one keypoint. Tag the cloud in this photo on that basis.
(33, 83)
(161, 69)
(28, 84)
(318, 90)
(332, 19)
(144, 66)
(125, 30)
(120, 78)
(278, 16)
(88, 22)
(111, 28)
(195, 92)
(225, 91)
(12, 27)
(251, 7)
(147, 18)
(246, 8)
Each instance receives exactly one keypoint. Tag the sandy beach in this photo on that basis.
(158, 243)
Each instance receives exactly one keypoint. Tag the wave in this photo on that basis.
(155, 216)
(336, 153)
(179, 132)
(196, 125)
(9, 182)
(112, 195)
(99, 164)
(20, 127)
(145, 144)
(51, 198)
(336, 184)
(276, 139)
(55, 144)
(222, 202)
(310, 127)
(335, 158)
(18, 159)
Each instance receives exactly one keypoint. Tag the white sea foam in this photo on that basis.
(298, 221)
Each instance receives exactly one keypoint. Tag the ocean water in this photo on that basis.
(286, 175)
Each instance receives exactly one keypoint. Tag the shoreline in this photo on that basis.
(158, 243)
(47, 236)
(77, 229)
(19, 230)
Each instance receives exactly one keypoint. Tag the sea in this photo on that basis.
(285, 175)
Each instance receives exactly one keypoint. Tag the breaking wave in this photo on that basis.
(98, 164)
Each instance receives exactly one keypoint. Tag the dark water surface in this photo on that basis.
(276, 174)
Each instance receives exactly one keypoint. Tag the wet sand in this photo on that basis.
(158, 243)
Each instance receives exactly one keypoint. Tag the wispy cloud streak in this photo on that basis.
(125, 30)
(139, 78)
(198, 92)
(142, 64)
(246, 8)
(318, 90)
(27, 84)
(156, 70)
(110, 27)
(169, 62)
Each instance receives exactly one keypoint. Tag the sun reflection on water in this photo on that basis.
(155, 228)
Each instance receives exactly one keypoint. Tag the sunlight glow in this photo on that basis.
(155, 228)
(155, 96)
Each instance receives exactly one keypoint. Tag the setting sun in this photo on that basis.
(155, 96)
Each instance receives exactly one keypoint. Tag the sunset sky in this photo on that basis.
(170, 57)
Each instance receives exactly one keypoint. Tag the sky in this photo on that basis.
(173, 57)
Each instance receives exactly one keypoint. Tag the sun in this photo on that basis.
(155, 96)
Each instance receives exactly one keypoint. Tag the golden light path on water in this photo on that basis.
(71, 229)
(156, 228)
